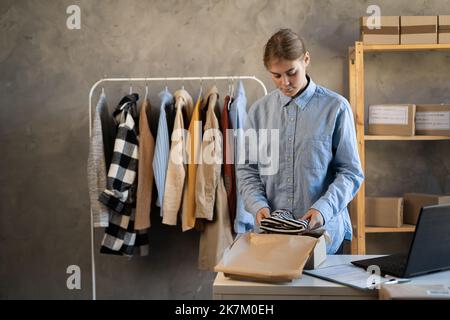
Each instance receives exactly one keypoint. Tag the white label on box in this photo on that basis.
(388, 115)
(433, 120)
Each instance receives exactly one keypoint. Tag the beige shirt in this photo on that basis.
(145, 170)
(176, 169)
(216, 236)
(208, 171)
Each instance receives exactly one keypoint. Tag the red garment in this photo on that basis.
(229, 175)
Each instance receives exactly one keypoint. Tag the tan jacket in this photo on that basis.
(193, 152)
(176, 169)
(208, 171)
(145, 170)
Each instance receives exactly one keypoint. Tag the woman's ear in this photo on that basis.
(306, 59)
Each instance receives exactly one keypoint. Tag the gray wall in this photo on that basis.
(47, 71)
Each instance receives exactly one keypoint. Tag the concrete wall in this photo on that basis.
(47, 71)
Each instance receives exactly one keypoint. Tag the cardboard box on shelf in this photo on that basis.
(444, 29)
(433, 119)
(271, 257)
(384, 211)
(418, 29)
(413, 202)
(392, 119)
(387, 33)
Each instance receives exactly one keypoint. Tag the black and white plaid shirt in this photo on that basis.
(119, 195)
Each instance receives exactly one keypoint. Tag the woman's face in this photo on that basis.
(290, 75)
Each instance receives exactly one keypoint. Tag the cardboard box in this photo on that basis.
(267, 257)
(444, 29)
(418, 29)
(319, 254)
(413, 292)
(413, 202)
(433, 119)
(388, 33)
(384, 211)
(392, 119)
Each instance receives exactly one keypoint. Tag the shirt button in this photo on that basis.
(289, 200)
(292, 119)
(289, 179)
(290, 139)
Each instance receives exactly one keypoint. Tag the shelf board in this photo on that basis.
(412, 138)
(405, 47)
(404, 228)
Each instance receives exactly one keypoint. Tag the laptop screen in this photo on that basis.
(430, 248)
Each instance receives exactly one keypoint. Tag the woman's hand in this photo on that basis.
(315, 218)
(262, 214)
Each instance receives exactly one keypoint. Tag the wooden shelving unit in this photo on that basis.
(401, 138)
(404, 47)
(404, 228)
(356, 97)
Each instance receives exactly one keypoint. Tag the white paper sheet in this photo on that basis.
(351, 275)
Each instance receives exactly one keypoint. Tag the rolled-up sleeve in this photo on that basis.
(347, 165)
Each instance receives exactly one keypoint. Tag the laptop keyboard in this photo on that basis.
(393, 265)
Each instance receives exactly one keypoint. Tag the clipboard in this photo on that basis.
(352, 276)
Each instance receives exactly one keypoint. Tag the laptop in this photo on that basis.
(429, 250)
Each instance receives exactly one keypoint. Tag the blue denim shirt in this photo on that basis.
(162, 147)
(238, 114)
(318, 161)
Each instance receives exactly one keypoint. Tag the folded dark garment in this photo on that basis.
(283, 221)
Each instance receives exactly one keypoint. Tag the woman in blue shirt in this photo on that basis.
(318, 167)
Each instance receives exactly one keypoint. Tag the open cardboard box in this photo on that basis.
(319, 254)
(272, 257)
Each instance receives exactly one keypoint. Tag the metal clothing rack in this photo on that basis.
(91, 92)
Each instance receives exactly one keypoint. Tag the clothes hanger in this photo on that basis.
(131, 87)
(103, 88)
(232, 87)
(201, 89)
(231, 94)
(146, 90)
(167, 88)
(229, 87)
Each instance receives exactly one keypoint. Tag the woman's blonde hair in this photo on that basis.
(285, 44)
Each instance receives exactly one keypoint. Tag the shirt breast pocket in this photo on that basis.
(315, 152)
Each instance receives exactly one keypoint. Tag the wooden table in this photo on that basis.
(307, 287)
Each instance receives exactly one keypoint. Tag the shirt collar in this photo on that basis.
(166, 97)
(240, 92)
(184, 96)
(301, 100)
